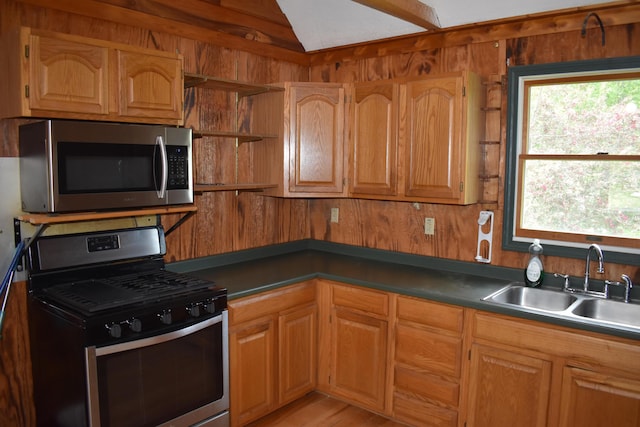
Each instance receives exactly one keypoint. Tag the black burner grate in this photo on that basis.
(94, 295)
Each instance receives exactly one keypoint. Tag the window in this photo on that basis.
(573, 158)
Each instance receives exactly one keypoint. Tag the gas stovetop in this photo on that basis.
(94, 295)
(114, 285)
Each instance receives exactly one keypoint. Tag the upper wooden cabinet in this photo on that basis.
(57, 75)
(441, 138)
(66, 76)
(149, 86)
(417, 140)
(373, 144)
(307, 158)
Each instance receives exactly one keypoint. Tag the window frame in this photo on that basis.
(517, 76)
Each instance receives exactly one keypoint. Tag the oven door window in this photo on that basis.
(150, 385)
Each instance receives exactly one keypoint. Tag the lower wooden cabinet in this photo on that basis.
(359, 367)
(592, 399)
(356, 328)
(508, 389)
(252, 369)
(425, 363)
(297, 352)
(428, 362)
(272, 349)
(527, 373)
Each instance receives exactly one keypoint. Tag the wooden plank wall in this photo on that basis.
(400, 226)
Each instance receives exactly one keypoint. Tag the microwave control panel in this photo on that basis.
(178, 159)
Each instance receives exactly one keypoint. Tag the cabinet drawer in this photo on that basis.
(432, 314)
(255, 306)
(427, 386)
(419, 413)
(428, 351)
(361, 299)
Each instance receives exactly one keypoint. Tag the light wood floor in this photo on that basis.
(318, 410)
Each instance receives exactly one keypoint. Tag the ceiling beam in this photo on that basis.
(412, 11)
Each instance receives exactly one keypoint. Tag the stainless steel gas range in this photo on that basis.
(117, 340)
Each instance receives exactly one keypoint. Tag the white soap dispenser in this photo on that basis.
(534, 273)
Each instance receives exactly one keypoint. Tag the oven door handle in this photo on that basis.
(165, 167)
(145, 342)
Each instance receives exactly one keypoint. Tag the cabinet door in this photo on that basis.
(433, 138)
(359, 353)
(374, 143)
(252, 375)
(297, 353)
(68, 76)
(507, 389)
(149, 86)
(595, 399)
(315, 139)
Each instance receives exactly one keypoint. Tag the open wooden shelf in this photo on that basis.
(243, 89)
(40, 219)
(206, 188)
(242, 137)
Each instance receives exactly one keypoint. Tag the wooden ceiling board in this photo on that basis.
(233, 21)
(265, 9)
(412, 11)
(152, 15)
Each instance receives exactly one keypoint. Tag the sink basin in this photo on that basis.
(609, 311)
(541, 299)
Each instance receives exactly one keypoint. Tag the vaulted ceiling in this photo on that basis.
(330, 23)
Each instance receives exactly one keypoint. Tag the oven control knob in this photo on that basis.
(210, 307)
(114, 330)
(135, 324)
(194, 310)
(165, 317)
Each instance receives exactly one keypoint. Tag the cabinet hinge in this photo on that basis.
(464, 91)
(461, 186)
(26, 91)
(26, 50)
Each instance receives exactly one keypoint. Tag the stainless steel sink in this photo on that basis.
(540, 299)
(578, 307)
(609, 311)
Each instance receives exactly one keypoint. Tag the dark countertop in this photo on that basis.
(465, 284)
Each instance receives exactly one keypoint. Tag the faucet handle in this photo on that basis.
(628, 284)
(566, 279)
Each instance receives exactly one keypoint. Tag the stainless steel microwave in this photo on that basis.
(70, 166)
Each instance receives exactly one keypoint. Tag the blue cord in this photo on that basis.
(8, 278)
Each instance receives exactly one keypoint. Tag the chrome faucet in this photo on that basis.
(598, 250)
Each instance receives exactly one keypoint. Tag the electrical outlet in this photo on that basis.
(335, 214)
(429, 226)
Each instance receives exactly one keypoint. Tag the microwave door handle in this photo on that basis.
(165, 166)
